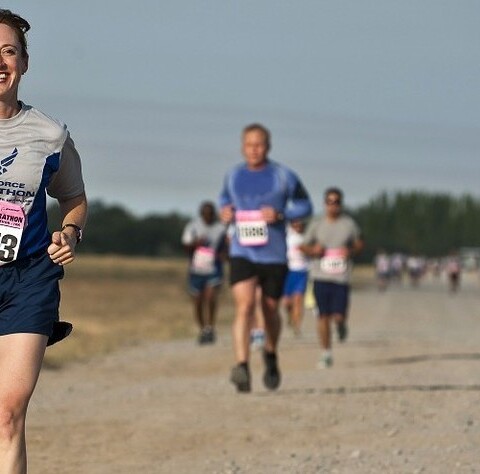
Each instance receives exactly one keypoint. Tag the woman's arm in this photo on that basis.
(73, 211)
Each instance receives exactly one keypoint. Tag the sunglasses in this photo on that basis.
(333, 202)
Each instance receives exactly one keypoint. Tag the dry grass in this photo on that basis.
(118, 301)
(115, 302)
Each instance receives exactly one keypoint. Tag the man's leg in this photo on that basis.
(324, 333)
(273, 327)
(340, 303)
(244, 299)
(297, 312)
(211, 303)
(211, 300)
(196, 289)
(198, 309)
(325, 339)
(287, 304)
(341, 323)
(273, 323)
(257, 324)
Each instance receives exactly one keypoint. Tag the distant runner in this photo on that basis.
(453, 269)
(205, 241)
(297, 277)
(415, 268)
(383, 269)
(257, 197)
(331, 241)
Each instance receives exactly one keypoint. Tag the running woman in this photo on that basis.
(37, 156)
(331, 241)
(205, 241)
(257, 196)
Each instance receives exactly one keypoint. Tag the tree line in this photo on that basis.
(419, 223)
(409, 222)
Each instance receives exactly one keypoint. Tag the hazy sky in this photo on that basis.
(367, 95)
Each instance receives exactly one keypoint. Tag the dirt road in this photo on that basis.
(403, 396)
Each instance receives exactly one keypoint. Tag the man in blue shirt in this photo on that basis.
(257, 198)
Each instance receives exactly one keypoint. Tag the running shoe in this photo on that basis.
(240, 377)
(209, 335)
(257, 338)
(206, 336)
(271, 377)
(61, 330)
(326, 361)
(342, 331)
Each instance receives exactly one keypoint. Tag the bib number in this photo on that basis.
(333, 262)
(203, 261)
(251, 228)
(12, 223)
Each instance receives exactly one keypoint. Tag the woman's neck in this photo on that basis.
(9, 110)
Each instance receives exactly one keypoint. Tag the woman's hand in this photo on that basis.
(62, 248)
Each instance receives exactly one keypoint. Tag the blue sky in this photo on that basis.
(367, 95)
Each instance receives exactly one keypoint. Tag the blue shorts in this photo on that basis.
(331, 298)
(296, 283)
(197, 283)
(29, 295)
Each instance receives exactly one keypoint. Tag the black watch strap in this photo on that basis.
(78, 231)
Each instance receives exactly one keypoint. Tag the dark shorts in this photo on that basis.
(29, 295)
(331, 298)
(296, 283)
(197, 283)
(271, 276)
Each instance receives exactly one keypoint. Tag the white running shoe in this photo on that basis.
(257, 339)
(326, 361)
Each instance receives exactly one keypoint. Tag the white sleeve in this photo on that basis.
(188, 235)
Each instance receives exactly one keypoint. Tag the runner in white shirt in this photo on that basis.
(205, 241)
(297, 276)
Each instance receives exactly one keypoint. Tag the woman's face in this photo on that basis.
(12, 65)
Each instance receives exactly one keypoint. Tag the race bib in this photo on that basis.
(251, 228)
(203, 261)
(12, 223)
(334, 262)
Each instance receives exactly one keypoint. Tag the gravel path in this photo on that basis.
(403, 396)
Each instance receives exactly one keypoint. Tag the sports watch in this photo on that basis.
(78, 231)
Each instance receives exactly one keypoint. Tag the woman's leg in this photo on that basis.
(21, 357)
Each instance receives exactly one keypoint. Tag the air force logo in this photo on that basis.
(6, 162)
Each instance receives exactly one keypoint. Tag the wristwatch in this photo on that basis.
(78, 231)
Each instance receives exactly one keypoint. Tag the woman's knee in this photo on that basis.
(12, 419)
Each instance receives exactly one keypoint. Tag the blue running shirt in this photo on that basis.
(275, 186)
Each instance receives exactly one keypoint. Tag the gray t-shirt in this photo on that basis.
(37, 156)
(335, 236)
